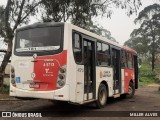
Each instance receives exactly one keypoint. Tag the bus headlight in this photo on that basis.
(61, 79)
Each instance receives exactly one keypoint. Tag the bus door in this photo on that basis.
(116, 71)
(89, 69)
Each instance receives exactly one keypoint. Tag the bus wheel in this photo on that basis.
(131, 90)
(102, 96)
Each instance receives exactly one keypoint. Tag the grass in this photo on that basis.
(146, 76)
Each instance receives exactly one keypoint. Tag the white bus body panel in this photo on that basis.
(79, 84)
(122, 78)
(104, 74)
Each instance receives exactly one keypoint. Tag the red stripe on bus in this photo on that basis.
(128, 75)
(46, 70)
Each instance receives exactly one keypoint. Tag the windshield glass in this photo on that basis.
(39, 39)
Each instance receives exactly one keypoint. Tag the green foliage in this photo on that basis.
(148, 12)
(14, 14)
(4, 89)
(146, 76)
(147, 38)
(81, 12)
(139, 44)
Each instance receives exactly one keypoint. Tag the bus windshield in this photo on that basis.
(38, 39)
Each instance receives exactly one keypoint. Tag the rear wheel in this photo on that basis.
(102, 96)
(131, 90)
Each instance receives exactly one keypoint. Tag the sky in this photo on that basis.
(120, 25)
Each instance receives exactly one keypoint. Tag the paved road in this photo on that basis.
(145, 99)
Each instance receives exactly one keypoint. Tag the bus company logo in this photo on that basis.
(33, 75)
(106, 74)
(48, 72)
(34, 55)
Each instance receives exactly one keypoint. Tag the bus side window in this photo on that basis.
(77, 48)
(105, 48)
(99, 56)
(130, 60)
(106, 52)
(103, 57)
(99, 47)
(123, 59)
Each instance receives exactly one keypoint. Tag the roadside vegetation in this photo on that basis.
(4, 89)
(146, 75)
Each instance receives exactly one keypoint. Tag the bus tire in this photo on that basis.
(102, 96)
(131, 90)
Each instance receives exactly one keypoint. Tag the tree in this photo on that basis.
(14, 14)
(139, 44)
(81, 12)
(149, 32)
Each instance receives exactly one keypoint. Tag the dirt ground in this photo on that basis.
(146, 99)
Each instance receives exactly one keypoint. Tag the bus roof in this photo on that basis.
(104, 39)
(129, 49)
(91, 34)
(40, 24)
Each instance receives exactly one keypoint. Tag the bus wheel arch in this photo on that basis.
(131, 81)
(106, 84)
(102, 95)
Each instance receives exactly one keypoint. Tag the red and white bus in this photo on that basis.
(63, 62)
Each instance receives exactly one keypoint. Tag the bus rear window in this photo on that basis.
(39, 39)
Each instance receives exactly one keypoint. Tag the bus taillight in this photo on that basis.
(61, 76)
(62, 70)
(13, 77)
(61, 79)
(60, 83)
(12, 70)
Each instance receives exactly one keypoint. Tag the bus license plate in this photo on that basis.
(34, 85)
